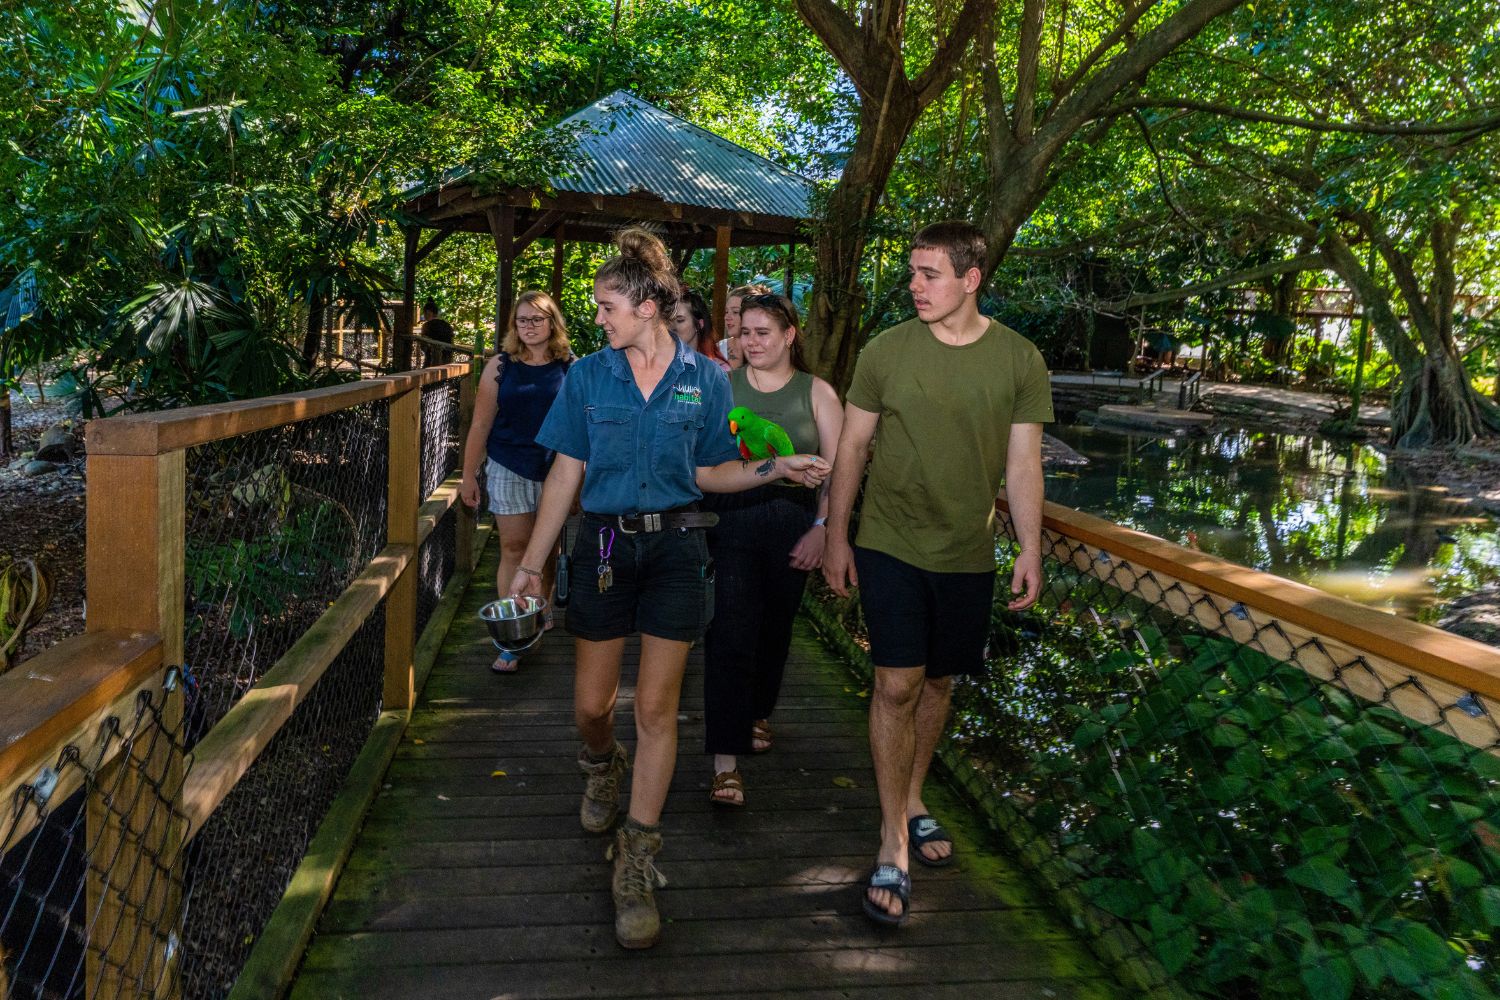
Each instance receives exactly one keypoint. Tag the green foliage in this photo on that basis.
(1261, 829)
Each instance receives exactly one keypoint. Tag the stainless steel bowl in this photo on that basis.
(515, 623)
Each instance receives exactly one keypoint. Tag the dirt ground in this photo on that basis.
(42, 519)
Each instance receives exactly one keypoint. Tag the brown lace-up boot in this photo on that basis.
(636, 879)
(601, 790)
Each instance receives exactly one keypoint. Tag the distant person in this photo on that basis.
(642, 427)
(434, 327)
(766, 542)
(729, 346)
(691, 323)
(516, 391)
(959, 402)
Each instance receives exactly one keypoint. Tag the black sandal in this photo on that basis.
(892, 880)
(924, 829)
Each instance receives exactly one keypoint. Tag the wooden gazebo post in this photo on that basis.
(406, 315)
(721, 278)
(503, 228)
(559, 250)
(791, 259)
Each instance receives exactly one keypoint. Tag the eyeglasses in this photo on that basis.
(532, 320)
(774, 304)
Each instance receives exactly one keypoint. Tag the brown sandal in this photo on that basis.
(727, 781)
(760, 732)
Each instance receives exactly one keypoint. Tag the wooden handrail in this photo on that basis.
(1422, 649)
(171, 430)
(441, 345)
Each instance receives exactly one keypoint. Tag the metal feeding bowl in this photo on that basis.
(515, 623)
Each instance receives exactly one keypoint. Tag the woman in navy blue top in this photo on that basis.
(515, 393)
(642, 426)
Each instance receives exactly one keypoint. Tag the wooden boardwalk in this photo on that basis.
(473, 879)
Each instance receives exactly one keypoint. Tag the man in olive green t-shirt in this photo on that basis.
(959, 402)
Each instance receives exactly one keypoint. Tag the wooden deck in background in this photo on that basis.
(473, 879)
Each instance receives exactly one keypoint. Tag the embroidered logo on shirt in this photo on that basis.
(687, 394)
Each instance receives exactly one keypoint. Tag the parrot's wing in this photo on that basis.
(780, 443)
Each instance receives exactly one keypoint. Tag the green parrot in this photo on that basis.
(757, 436)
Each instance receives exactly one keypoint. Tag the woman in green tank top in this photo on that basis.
(766, 541)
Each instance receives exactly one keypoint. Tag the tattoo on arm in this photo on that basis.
(766, 468)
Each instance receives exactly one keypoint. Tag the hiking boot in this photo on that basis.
(637, 923)
(601, 790)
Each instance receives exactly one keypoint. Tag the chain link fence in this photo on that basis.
(1236, 805)
(90, 884)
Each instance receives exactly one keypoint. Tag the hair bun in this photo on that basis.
(645, 246)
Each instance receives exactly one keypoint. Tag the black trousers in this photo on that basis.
(756, 596)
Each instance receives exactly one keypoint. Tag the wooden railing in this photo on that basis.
(73, 702)
(1291, 621)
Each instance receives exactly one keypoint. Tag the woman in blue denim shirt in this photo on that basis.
(642, 427)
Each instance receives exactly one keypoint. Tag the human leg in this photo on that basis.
(893, 705)
(596, 685)
(930, 721)
(658, 692)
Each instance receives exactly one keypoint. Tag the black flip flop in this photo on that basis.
(924, 829)
(893, 880)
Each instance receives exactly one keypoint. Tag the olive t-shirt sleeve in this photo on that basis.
(864, 389)
(1033, 392)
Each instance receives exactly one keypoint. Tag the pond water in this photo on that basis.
(1331, 514)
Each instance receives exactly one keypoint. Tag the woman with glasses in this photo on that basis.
(692, 326)
(766, 541)
(515, 392)
(642, 427)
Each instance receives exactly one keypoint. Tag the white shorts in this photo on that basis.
(510, 493)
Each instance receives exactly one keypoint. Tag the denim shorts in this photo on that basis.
(662, 583)
(919, 618)
(510, 492)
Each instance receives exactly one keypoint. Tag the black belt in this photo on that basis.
(632, 524)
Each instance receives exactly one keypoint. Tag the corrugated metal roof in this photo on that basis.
(630, 147)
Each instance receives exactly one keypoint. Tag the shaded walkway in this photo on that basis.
(471, 883)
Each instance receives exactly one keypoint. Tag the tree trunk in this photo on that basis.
(314, 336)
(835, 319)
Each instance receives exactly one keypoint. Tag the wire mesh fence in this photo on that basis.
(241, 862)
(1262, 810)
(440, 433)
(279, 522)
(90, 890)
(437, 558)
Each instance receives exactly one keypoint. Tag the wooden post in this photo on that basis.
(559, 257)
(503, 228)
(404, 481)
(791, 260)
(406, 317)
(463, 540)
(134, 566)
(721, 278)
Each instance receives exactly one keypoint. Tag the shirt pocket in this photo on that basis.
(677, 443)
(611, 437)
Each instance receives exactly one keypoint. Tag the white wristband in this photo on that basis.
(818, 522)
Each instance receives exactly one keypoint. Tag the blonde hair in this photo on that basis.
(641, 270)
(745, 291)
(558, 347)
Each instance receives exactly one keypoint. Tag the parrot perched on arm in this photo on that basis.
(758, 437)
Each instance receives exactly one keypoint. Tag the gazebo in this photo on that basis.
(631, 162)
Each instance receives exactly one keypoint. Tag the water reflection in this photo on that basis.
(1333, 514)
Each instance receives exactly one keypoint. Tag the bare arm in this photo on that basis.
(736, 475)
(848, 470)
(1023, 491)
(552, 512)
(486, 406)
(828, 414)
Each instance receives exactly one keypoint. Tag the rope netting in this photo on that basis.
(90, 884)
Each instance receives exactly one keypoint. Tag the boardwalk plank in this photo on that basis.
(465, 883)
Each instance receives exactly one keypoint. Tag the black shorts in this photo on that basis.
(662, 583)
(918, 618)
